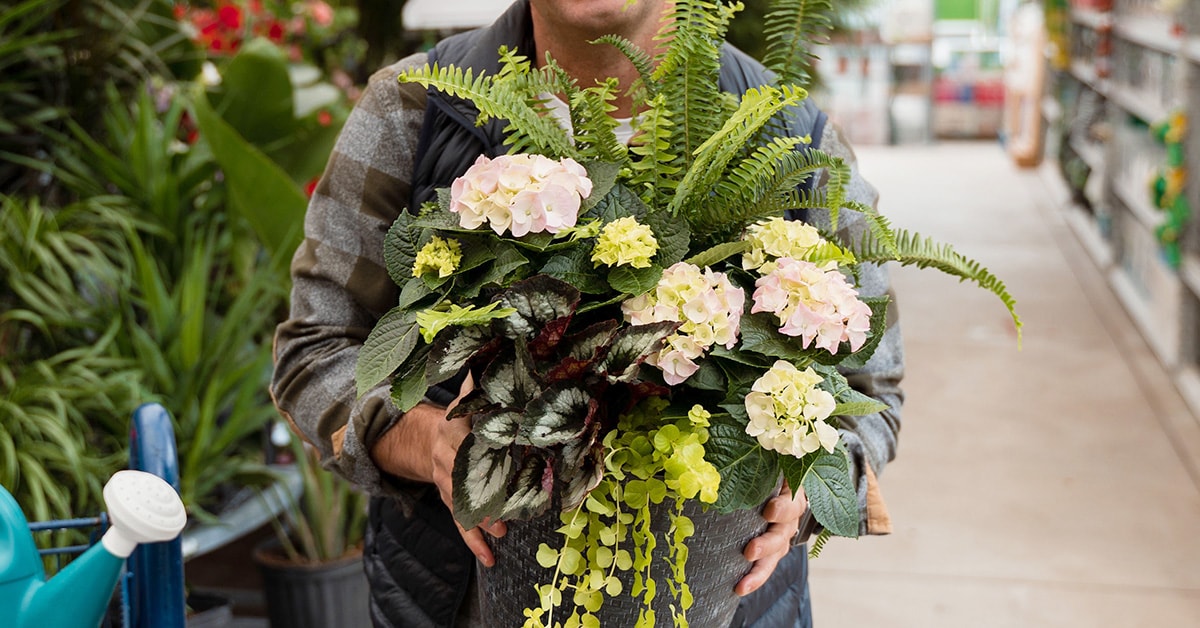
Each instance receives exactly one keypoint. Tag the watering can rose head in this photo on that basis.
(520, 193)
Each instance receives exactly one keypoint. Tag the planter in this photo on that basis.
(715, 564)
(209, 610)
(313, 596)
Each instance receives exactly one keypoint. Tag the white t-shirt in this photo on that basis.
(562, 112)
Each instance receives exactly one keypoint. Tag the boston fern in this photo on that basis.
(642, 325)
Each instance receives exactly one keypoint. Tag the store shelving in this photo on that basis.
(1132, 64)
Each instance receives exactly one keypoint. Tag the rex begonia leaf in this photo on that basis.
(826, 479)
(673, 235)
(748, 472)
(634, 281)
(559, 415)
(581, 466)
(498, 428)
(387, 347)
(481, 477)
(470, 404)
(575, 267)
(529, 495)
(545, 344)
(400, 247)
(508, 379)
(452, 349)
(587, 343)
(631, 346)
(537, 301)
(408, 388)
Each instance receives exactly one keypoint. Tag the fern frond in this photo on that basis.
(878, 224)
(790, 28)
(529, 128)
(911, 249)
(711, 158)
(687, 73)
(642, 62)
(594, 128)
(657, 163)
(818, 543)
(748, 183)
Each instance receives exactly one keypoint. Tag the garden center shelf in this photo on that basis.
(1132, 63)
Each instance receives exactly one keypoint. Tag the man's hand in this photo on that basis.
(422, 446)
(783, 514)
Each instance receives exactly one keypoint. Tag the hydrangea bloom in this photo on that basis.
(776, 238)
(625, 241)
(787, 411)
(521, 194)
(815, 303)
(438, 255)
(708, 306)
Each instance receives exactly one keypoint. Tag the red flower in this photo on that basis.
(180, 11)
(324, 118)
(230, 16)
(256, 7)
(311, 187)
(275, 31)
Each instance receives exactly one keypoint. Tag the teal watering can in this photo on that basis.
(142, 508)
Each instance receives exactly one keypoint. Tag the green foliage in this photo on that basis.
(329, 519)
(792, 27)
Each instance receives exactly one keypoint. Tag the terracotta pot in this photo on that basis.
(715, 564)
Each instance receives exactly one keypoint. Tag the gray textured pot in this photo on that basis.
(313, 596)
(715, 564)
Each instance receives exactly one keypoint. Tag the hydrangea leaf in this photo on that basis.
(748, 472)
(387, 347)
(629, 280)
(673, 235)
(718, 253)
(850, 402)
(618, 203)
(481, 477)
(603, 175)
(452, 349)
(498, 428)
(413, 292)
(760, 334)
(529, 495)
(830, 490)
(631, 346)
(535, 302)
(559, 415)
(708, 377)
(400, 247)
(506, 260)
(575, 267)
(408, 388)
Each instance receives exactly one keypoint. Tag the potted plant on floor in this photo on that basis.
(312, 570)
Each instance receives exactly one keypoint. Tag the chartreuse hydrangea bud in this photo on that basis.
(440, 256)
(625, 242)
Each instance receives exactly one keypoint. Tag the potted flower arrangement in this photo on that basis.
(312, 570)
(655, 348)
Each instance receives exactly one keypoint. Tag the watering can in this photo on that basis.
(142, 507)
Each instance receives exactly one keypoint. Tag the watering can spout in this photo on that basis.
(143, 509)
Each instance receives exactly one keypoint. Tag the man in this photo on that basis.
(398, 146)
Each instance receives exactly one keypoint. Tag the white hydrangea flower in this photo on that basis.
(787, 411)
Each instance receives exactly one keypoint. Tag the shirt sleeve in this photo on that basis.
(340, 286)
(871, 439)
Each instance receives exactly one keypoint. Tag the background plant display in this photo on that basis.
(642, 324)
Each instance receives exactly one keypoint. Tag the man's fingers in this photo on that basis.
(495, 528)
(478, 545)
(758, 575)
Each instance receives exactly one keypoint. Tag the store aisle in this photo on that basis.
(1058, 485)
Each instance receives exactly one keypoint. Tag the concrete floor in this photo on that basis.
(1056, 485)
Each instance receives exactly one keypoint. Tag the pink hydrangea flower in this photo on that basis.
(815, 303)
(520, 194)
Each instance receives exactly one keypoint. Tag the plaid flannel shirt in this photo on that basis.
(341, 288)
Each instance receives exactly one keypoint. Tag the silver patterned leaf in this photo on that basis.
(481, 477)
(558, 416)
(498, 428)
(531, 490)
(508, 380)
(537, 301)
(452, 348)
(631, 347)
(581, 467)
(587, 344)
